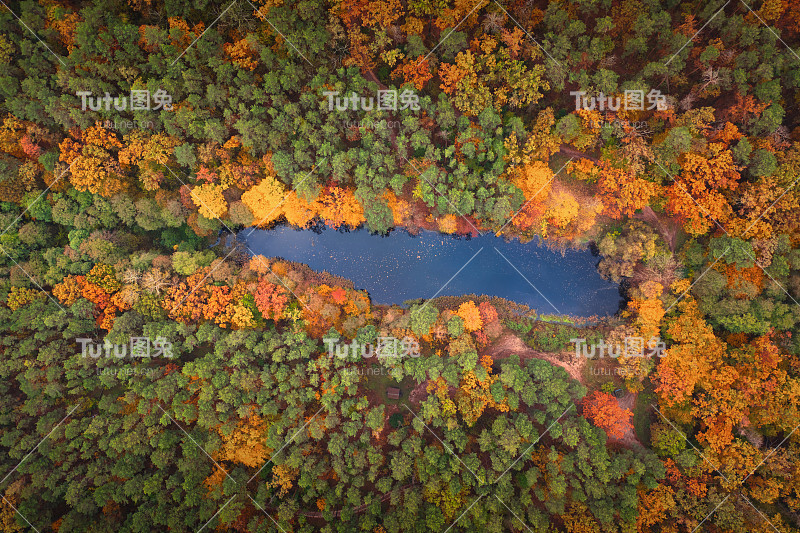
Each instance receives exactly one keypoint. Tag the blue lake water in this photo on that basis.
(401, 267)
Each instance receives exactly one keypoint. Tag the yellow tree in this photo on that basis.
(264, 200)
(654, 506)
(448, 224)
(491, 75)
(150, 153)
(246, 443)
(283, 477)
(475, 395)
(542, 141)
(241, 53)
(695, 351)
(698, 194)
(208, 197)
(777, 192)
(471, 315)
(533, 179)
(340, 207)
(649, 309)
(562, 208)
(442, 497)
(235, 314)
(298, 211)
(622, 192)
(94, 167)
(68, 290)
(401, 210)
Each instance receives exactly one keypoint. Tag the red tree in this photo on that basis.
(270, 299)
(488, 312)
(604, 412)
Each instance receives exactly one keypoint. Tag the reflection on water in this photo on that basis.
(402, 267)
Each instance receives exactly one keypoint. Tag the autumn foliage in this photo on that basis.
(264, 200)
(270, 299)
(471, 315)
(603, 410)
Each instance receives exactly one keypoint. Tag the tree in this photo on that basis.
(491, 76)
(604, 412)
(68, 290)
(649, 308)
(448, 224)
(666, 441)
(19, 296)
(534, 179)
(298, 211)
(476, 394)
(471, 316)
(339, 207)
(265, 200)
(695, 351)
(283, 477)
(414, 72)
(422, 318)
(763, 163)
(562, 209)
(698, 193)
(246, 443)
(187, 263)
(270, 299)
(93, 166)
(455, 326)
(209, 199)
(622, 192)
(488, 312)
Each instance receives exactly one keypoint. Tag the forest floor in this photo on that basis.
(509, 344)
(628, 440)
(577, 154)
(666, 226)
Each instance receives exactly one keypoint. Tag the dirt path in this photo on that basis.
(577, 154)
(628, 440)
(509, 344)
(666, 227)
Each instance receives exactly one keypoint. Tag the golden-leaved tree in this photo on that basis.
(265, 200)
(699, 194)
(94, 166)
(339, 207)
(622, 192)
(208, 197)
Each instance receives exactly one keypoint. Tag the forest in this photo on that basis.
(159, 375)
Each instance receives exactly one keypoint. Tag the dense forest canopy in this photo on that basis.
(158, 375)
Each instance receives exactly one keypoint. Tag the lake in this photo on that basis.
(401, 267)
